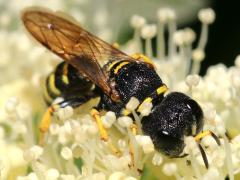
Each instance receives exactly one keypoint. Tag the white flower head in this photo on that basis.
(146, 143)
(198, 55)
(117, 176)
(66, 153)
(207, 16)
(54, 129)
(149, 31)
(52, 174)
(73, 140)
(65, 113)
(157, 159)
(33, 153)
(125, 121)
(166, 14)
(237, 61)
(98, 176)
(132, 104)
(145, 108)
(184, 37)
(169, 169)
(192, 80)
(11, 104)
(212, 173)
(108, 119)
(137, 21)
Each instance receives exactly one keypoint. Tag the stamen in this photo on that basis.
(148, 32)
(137, 23)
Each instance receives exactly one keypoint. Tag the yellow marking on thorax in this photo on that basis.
(162, 89)
(65, 73)
(140, 56)
(120, 66)
(147, 100)
(52, 86)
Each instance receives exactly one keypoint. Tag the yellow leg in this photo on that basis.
(103, 133)
(45, 123)
(203, 134)
(115, 150)
(198, 139)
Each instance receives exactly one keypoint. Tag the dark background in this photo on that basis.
(224, 34)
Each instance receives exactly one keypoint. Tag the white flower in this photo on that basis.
(206, 15)
(33, 153)
(137, 21)
(132, 104)
(66, 153)
(198, 55)
(11, 104)
(192, 80)
(65, 113)
(157, 159)
(125, 121)
(72, 148)
(166, 14)
(52, 174)
(108, 119)
(169, 169)
(146, 143)
(149, 31)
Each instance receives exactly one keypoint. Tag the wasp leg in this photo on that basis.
(45, 123)
(103, 132)
(198, 139)
(203, 134)
(46, 120)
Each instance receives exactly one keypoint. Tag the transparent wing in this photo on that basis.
(75, 45)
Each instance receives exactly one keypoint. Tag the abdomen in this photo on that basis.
(65, 81)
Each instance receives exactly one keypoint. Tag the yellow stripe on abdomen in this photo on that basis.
(65, 74)
(120, 66)
(52, 86)
(46, 95)
(162, 89)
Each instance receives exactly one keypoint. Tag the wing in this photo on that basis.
(75, 45)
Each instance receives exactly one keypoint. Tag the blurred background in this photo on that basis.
(224, 36)
(109, 19)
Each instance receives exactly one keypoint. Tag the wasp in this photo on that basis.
(116, 77)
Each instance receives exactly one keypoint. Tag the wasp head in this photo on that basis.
(170, 120)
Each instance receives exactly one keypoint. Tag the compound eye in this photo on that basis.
(169, 145)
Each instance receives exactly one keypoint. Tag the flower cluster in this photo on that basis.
(73, 148)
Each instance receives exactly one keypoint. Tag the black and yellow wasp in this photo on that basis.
(116, 77)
